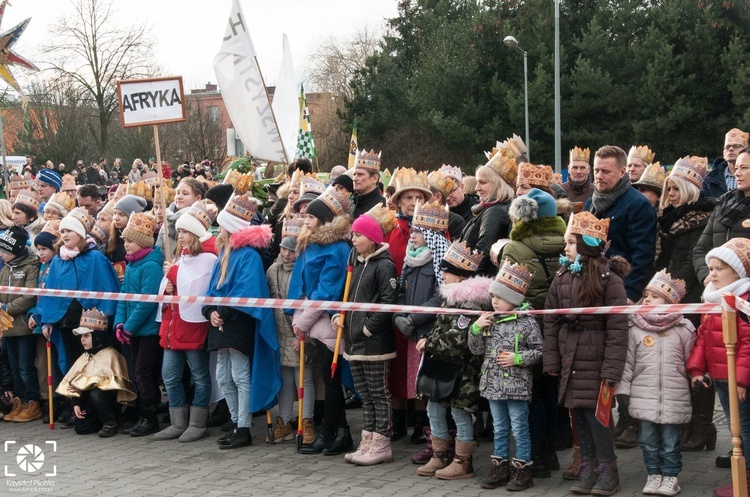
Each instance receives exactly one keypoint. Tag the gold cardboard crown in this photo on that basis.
(736, 136)
(292, 227)
(694, 172)
(442, 182)
(68, 183)
(29, 198)
(580, 154)
(204, 212)
(298, 176)
(431, 216)
(122, 190)
(533, 175)
(461, 256)
(517, 277)
(654, 176)
(242, 183)
(94, 320)
(166, 191)
(141, 189)
(741, 247)
(25, 182)
(516, 145)
(368, 160)
(338, 203)
(52, 227)
(385, 218)
(151, 178)
(585, 223)
(643, 152)
(699, 161)
(452, 172)
(63, 200)
(82, 216)
(671, 290)
(100, 232)
(503, 162)
(242, 206)
(406, 178)
(311, 184)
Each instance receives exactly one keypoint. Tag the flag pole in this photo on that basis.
(273, 114)
(2, 151)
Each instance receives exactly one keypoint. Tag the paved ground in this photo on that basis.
(90, 466)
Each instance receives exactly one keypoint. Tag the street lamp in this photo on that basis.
(512, 42)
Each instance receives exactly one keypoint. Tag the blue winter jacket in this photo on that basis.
(715, 185)
(143, 276)
(632, 233)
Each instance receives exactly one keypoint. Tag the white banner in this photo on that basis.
(286, 101)
(151, 101)
(243, 91)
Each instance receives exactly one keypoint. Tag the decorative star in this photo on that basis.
(7, 56)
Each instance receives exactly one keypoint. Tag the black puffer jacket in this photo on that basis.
(490, 224)
(369, 335)
(419, 286)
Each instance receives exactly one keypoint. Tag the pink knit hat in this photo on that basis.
(367, 226)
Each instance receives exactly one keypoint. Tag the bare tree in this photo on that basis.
(89, 48)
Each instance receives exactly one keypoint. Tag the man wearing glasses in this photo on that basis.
(721, 177)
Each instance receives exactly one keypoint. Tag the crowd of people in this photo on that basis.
(633, 232)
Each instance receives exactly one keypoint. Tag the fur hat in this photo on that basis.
(13, 240)
(735, 253)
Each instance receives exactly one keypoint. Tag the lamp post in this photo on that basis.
(512, 42)
(558, 125)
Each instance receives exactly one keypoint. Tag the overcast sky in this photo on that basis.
(188, 33)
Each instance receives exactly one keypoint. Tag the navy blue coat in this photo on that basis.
(714, 186)
(632, 233)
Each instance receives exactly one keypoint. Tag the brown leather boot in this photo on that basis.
(308, 431)
(574, 470)
(439, 459)
(15, 410)
(31, 412)
(499, 473)
(462, 466)
(522, 477)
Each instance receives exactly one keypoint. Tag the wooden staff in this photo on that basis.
(165, 225)
(49, 386)
(301, 394)
(339, 334)
(269, 427)
(729, 327)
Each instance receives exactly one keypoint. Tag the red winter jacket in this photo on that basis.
(710, 355)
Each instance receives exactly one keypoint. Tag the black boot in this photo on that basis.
(704, 430)
(220, 415)
(724, 462)
(131, 419)
(318, 412)
(150, 423)
(420, 421)
(240, 437)
(627, 427)
(341, 443)
(224, 438)
(539, 456)
(318, 445)
(399, 424)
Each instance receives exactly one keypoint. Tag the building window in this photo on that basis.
(213, 113)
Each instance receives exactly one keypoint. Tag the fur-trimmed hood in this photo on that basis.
(474, 291)
(283, 191)
(620, 266)
(258, 237)
(337, 230)
(543, 226)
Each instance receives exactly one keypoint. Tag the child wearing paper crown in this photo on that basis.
(654, 380)
(728, 269)
(98, 380)
(446, 348)
(510, 344)
(369, 344)
(247, 368)
(115, 248)
(183, 329)
(583, 350)
(135, 322)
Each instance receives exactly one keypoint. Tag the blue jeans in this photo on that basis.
(21, 354)
(512, 415)
(233, 374)
(172, 367)
(438, 414)
(722, 390)
(661, 448)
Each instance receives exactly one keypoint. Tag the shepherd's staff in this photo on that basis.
(269, 427)
(301, 388)
(337, 348)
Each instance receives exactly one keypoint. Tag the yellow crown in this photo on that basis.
(122, 190)
(242, 206)
(141, 189)
(82, 216)
(693, 171)
(368, 160)
(432, 216)
(533, 175)
(643, 152)
(654, 176)
(517, 277)
(52, 227)
(29, 198)
(21, 182)
(736, 137)
(406, 178)
(385, 218)
(292, 227)
(442, 182)
(311, 184)
(242, 183)
(452, 172)
(100, 232)
(585, 223)
(68, 183)
(150, 178)
(580, 154)
(503, 162)
(516, 145)
(62, 200)
(166, 191)
(671, 290)
(338, 203)
(94, 320)
(461, 256)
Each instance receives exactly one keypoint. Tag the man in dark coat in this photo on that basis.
(366, 179)
(458, 202)
(720, 178)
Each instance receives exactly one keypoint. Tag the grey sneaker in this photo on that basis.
(652, 485)
(669, 486)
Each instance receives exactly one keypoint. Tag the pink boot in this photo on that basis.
(378, 451)
(364, 446)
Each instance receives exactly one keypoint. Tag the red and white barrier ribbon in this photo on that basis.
(353, 306)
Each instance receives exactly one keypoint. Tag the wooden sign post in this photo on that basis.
(151, 102)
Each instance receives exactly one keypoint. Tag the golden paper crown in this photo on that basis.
(141, 189)
(140, 229)
(385, 218)
(52, 227)
(242, 206)
(368, 160)
(82, 216)
(406, 178)
(242, 183)
(533, 175)
(741, 247)
(68, 183)
(736, 137)
(441, 182)
(29, 198)
(556, 179)
(94, 320)
(452, 172)
(204, 212)
(585, 223)
(100, 232)
(336, 202)
(580, 154)
(699, 161)
(432, 216)
(21, 182)
(671, 290)
(151, 178)
(311, 184)
(503, 162)
(109, 206)
(292, 227)
(653, 176)
(517, 277)
(461, 256)
(516, 145)
(694, 172)
(643, 152)
(166, 191)
(64, 201)
(122, 190)
(298, 176)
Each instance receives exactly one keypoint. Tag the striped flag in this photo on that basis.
(353, 147)
(305, 142)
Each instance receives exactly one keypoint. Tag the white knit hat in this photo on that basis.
(735, 253)
(76, 221)
(198, 219)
